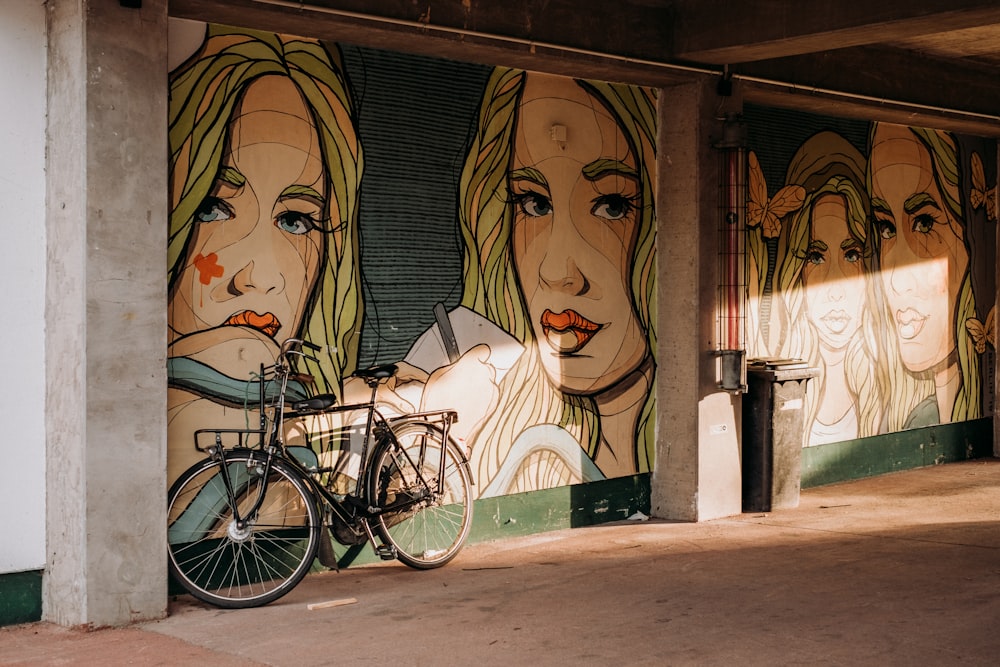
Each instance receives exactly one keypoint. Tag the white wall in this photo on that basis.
(22, 277)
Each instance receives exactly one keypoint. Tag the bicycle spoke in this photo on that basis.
(253, 562)
(427, 529)
(243, 528)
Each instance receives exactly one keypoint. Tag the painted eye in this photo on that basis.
(815, 257)
(533, 204)
(852, 255)
(612, 207)
(213, 209)
(886, 229)
(295, 222)
(923, 224)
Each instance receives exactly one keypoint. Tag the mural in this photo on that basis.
(557, 215)
(872, 258)
(263, 244)
(517, 211)
(500, 248)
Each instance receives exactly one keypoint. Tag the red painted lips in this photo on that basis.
(266, 323)
(567, 332)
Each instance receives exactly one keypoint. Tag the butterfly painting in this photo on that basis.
(983, 333)
(765, 212)
(981, 196)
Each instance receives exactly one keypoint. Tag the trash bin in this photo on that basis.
(773, 419)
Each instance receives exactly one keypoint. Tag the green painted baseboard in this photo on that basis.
(893, 452)
(539, 511)
(528, 513)
(563, 507)
(20, 597)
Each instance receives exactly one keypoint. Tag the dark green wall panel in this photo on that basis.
(20, 597)
(893, 452)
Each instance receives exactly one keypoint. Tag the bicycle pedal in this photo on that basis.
(386, 552)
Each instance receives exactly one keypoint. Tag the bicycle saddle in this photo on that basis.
(377, 372)
(316, 403)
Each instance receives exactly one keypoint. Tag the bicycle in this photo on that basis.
(245, 524)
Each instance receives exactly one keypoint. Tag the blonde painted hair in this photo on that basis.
(491, 285)
(906, 389)
(827, 164)
(204, 92)
(803, 340)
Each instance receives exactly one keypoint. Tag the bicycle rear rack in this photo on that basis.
(242, 439)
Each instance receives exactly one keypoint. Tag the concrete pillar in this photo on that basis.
(105, 341)
(697, 469)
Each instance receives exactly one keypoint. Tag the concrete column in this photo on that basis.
(697, 469)
(105, 340)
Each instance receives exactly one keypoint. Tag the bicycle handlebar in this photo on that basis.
(289, 348)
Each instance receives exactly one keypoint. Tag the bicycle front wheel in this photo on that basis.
(248, 563)
(429, 526)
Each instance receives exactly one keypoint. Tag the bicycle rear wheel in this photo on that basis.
(429, 528)
(236, 566)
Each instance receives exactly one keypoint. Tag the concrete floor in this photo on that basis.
(902, 569)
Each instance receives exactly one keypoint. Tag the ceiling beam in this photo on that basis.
(723, 32)
(869, 73)
(627, 29)
(872, 73)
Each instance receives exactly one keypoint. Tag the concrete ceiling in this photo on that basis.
(938, 56)
(725, 32)
(978, 44)
(916, 60)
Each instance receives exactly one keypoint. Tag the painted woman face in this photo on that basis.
(576, 194)
(257, 244)
(923, 257)
(832, 273)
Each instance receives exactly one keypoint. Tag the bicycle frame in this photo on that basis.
(249, 538)
(350, 508)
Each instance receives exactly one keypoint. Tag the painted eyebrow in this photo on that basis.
(819, 245)
(918, 201)
(850, 243)
(913, 203)
(604, 166)
(880, 205)
(531, 175)
(302, 192)
(232, 177)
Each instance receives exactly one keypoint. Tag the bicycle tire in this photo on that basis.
(231, 567)
(431, 532)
